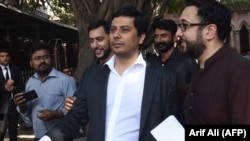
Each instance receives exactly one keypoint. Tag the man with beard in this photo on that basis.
(98, 32)
(182, 65)
(219, 91)
(99, 41)
(51, 86)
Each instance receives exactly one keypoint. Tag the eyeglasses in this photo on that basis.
(44, 57)
(183, 26)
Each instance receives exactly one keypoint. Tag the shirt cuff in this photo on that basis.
(45, 138)
(19, 111)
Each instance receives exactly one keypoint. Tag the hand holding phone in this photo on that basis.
(30, 95)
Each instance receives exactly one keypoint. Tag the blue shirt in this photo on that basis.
(51, 95)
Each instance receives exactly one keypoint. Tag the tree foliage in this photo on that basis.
(62, 10)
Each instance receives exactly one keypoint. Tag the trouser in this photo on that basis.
(12, 120)
(3, 125)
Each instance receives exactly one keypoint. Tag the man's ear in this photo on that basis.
(142, 38)
(211, 31)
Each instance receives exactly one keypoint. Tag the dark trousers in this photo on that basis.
(10, 119)
(3, 125)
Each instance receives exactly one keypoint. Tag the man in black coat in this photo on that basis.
(10, 83)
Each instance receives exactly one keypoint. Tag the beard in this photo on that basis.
(44, 69)
(196, 48)
(164, 46)
(106, 54)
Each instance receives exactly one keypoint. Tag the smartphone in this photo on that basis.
(30, 95)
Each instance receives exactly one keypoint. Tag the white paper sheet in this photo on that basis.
(169, 130)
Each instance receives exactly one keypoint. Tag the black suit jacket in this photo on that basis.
(159, 101)
(5, 95)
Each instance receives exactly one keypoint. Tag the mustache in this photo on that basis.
(43, 64)
(164, 44)
(160, 44)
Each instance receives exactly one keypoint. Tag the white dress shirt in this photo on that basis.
(124, 98)
(4, 71)
(4, 74)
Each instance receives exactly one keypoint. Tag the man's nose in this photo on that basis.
(95, 44)
(179, 33)
(157, 39)
(116, 34)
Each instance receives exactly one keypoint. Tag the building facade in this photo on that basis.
(240, 35)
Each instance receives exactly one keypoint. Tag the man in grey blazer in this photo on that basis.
(125, 98)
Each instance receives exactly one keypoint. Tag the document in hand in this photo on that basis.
(169, 130)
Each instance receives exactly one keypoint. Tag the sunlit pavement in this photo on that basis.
(22, 136)
(29, 136)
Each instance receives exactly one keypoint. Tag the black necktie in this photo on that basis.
(6, 74)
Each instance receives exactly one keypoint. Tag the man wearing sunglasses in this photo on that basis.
(219, 92)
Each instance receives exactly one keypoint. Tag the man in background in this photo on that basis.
(51, 86)
(10, 83)
(182, 65)
(67, 71)
(98, 32)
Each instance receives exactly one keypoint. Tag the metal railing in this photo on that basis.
(26, 73)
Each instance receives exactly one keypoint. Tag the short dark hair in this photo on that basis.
(5, 49)
(39, 45)
(211, 11)
(140, 21)
(99, 23)
(165, 24)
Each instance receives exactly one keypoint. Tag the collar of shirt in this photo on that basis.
(139, 61)
(3, 67)
(51, 74)
(216, 56)
(175, 55)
